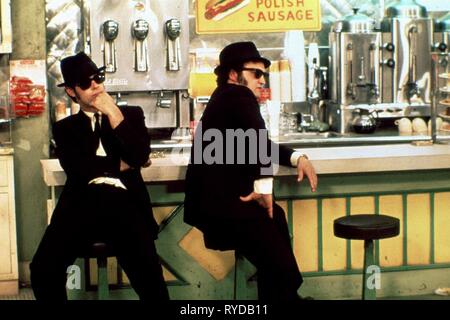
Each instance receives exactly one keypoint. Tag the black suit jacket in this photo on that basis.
(212, 190)
(76, 148)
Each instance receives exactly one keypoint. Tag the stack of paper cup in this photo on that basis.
(274, 81)
(294, 44)
(285, 81)
(274, 109)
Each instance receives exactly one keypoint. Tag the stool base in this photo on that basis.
(368, 289)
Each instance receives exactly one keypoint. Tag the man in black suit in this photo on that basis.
(229, 182)
(101, 149)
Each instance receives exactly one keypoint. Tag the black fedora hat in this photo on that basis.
(76, 68)
(237, 53)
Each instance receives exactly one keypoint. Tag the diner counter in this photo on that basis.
(326, 160)
(6, 151)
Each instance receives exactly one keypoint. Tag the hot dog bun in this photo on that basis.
(218, 9)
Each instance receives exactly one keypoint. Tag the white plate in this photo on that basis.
(445, 102)
(445, 89)
(444, 116)
(444, 76)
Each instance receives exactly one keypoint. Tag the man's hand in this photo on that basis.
(264, 200)
(104, 103)
(107, 106)
(305, 167)
(148, 163)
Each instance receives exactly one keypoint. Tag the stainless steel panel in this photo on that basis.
(334, 67)
(162, 109)
(128, 76)
(387, 68)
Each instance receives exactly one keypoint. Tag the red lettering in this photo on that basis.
(258, 3)
(261, 16)
(300, 2)
(290, 16)
(279, 15)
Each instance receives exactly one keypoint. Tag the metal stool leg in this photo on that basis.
(239, 276)
(103, 287)
(368, 292)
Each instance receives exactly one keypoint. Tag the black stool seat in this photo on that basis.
(366, 227)
(99, 250)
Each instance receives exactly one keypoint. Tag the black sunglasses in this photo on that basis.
(86, 83)
(257, 72)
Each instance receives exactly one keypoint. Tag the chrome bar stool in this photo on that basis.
(367, 227)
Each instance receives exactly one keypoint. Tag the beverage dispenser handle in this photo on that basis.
(140, 30)
(110, 33)
(173, 31)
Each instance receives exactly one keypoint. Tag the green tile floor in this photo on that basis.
(27, 294)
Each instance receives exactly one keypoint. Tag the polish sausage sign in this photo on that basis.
(241, 16)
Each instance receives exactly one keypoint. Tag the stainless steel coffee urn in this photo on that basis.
(387, 70)
(145, 47)
(354, 68)
(442, 41)
(442, 35)
(407, 41)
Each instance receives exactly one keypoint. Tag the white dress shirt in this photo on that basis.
(265, 185)
(102, 153)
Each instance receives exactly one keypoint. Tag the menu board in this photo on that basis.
(244, 16)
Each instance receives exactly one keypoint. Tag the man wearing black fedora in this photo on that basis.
(101, 149)
(228, 196)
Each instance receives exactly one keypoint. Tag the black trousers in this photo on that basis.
(107, 216)
(265, 242)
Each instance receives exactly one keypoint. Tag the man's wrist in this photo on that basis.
(295, 158)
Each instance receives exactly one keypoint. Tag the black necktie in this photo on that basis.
(97, 130)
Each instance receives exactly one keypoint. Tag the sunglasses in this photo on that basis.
(86, 83)
(257, 72)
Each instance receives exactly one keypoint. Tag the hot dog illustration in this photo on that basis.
(219, 9)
